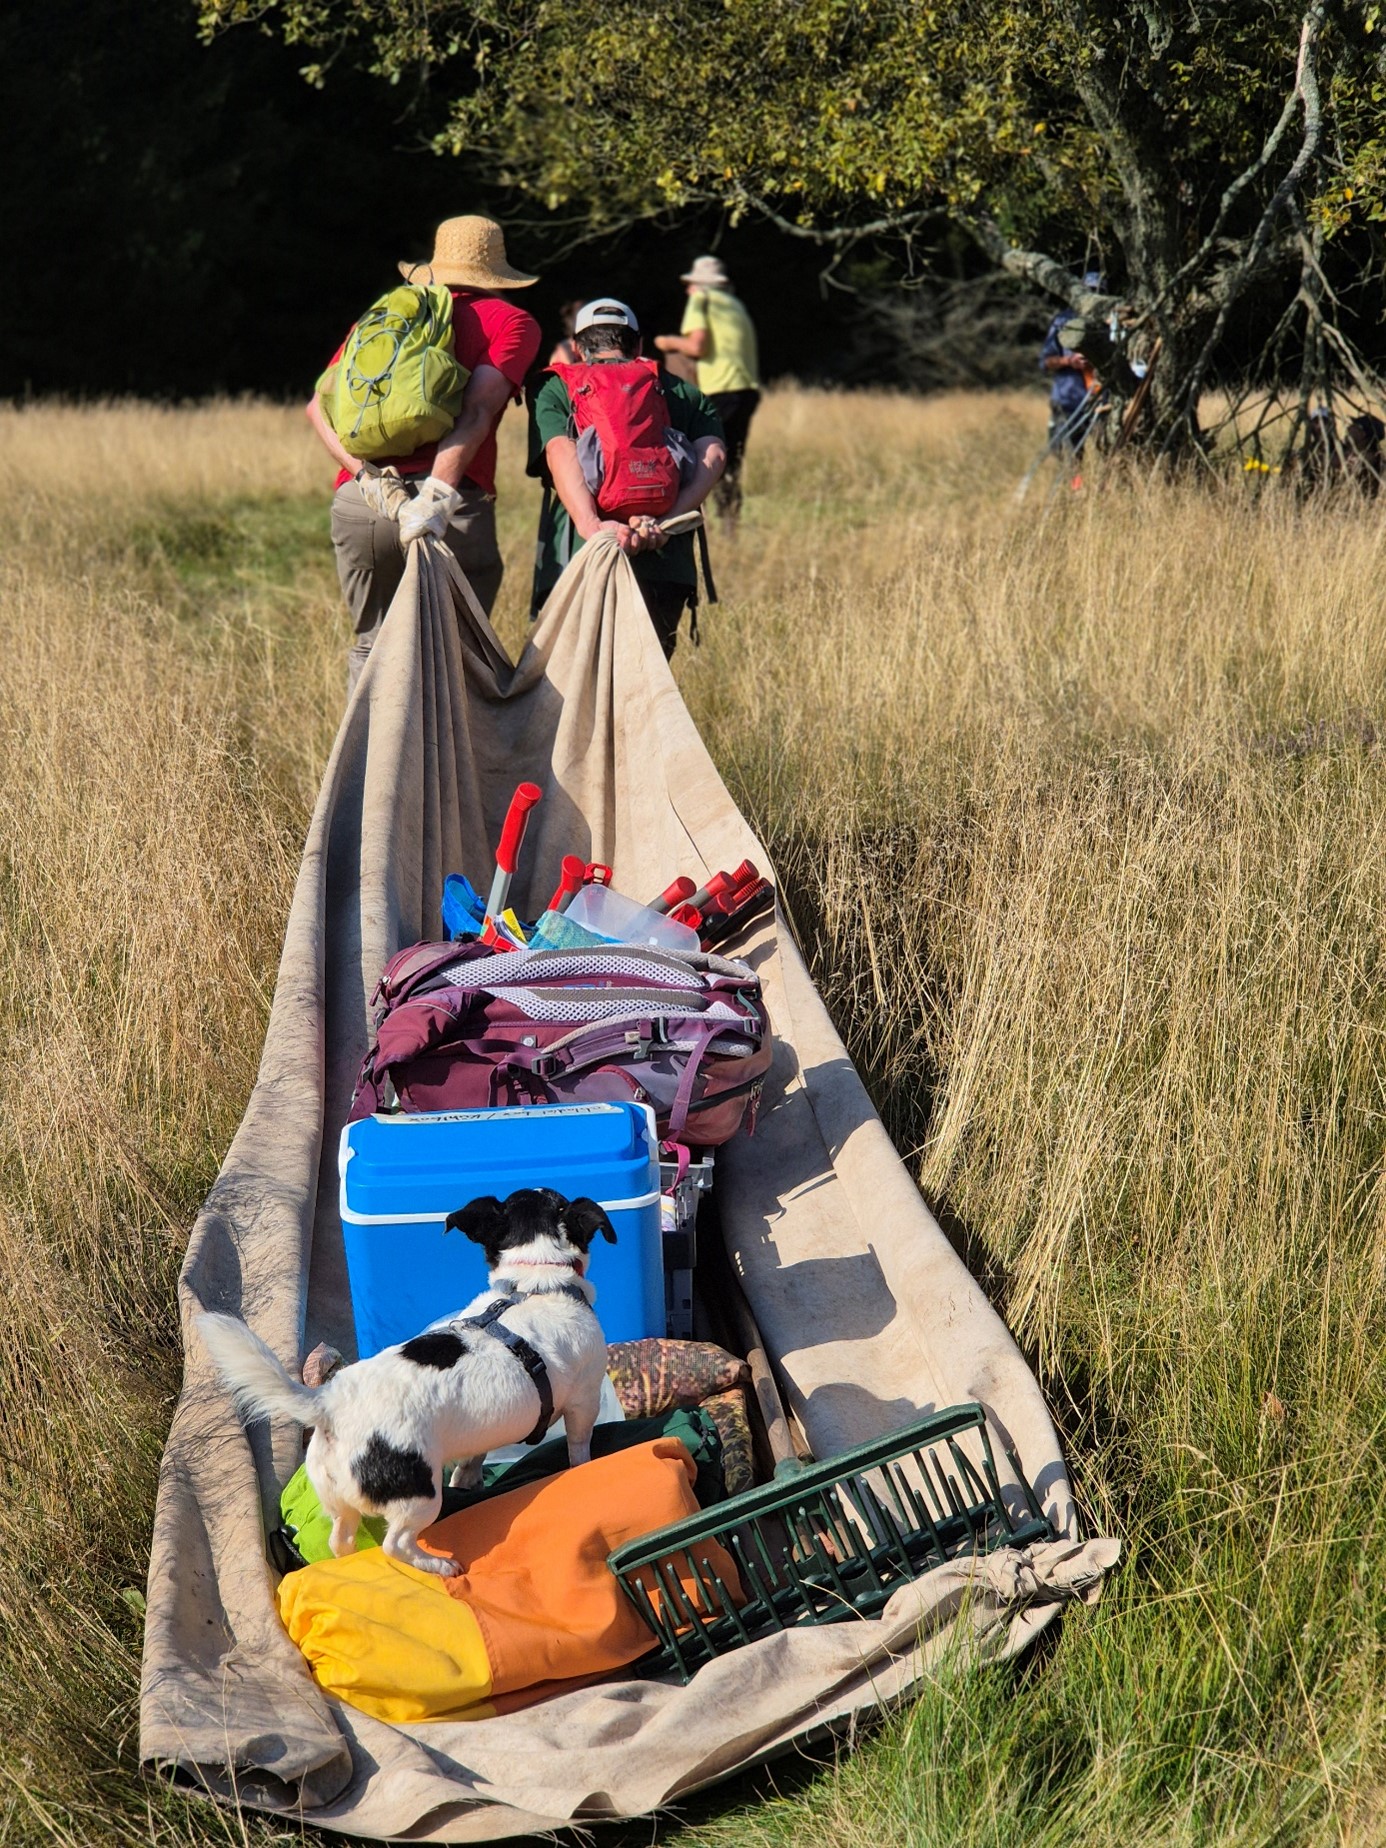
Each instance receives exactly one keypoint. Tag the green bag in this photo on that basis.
(302, 1535)
(396, 385)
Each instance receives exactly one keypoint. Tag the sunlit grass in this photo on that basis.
(1078, 808)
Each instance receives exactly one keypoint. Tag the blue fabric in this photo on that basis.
(1066, 389)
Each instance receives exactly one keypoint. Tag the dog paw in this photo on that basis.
(430, 1562)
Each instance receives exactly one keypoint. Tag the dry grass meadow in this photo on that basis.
(1079, 808)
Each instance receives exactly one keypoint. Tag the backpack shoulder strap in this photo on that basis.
(706, 563)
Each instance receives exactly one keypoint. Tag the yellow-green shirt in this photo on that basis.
(730, 361)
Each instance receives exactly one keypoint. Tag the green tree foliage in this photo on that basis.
(1205, 146)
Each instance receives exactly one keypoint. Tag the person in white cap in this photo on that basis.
(719, 335)
(451, 485)
(607, 334)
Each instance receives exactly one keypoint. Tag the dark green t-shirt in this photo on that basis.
(689, 411)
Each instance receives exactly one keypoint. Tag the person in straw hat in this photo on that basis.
(719, 335)
(451, 484)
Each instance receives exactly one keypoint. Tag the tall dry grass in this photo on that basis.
(1077, 806)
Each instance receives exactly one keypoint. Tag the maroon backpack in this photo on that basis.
(461, 1027)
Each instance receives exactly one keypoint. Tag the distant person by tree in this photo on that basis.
(1074, 388)
(718, 334)
(1328, 458)
(607, 334)
(446, 488)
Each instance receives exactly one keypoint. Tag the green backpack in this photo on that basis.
(396, 385)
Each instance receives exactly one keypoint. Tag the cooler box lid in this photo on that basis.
(408, 1168)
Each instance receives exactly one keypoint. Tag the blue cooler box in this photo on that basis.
(403, 1175)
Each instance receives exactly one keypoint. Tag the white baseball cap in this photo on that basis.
(605, 311)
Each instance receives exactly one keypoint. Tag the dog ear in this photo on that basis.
(479, 1220)
(584, 1217)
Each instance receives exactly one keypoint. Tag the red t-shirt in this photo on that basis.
(486, 331)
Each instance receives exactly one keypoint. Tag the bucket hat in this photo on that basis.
(469, 253)
(605, 311)
(707, 273)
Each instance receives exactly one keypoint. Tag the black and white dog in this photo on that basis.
(384, 1428)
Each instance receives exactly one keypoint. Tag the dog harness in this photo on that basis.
(529, 1357)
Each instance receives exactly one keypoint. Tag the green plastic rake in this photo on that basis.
(835, 1540)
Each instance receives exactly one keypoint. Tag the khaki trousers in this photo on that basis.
(370, 560)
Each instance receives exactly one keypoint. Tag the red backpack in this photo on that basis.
(632, 458)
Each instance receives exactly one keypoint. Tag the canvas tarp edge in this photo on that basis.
(435, 689)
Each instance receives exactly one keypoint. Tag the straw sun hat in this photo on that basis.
(469, 253)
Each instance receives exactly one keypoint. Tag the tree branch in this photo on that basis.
(1307, 90)
(1234, 191)
(1093, 307)
(895, 224)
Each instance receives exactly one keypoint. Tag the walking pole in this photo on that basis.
(1052, 446)
(541, 541)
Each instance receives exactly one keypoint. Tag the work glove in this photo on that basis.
(383, 490)
(429, 511)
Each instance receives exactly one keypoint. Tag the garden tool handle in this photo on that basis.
(508, 851)
(735, 911)
(674, 894)
(778, 1431)
(574, 874)
(516, 820)
(723, 882)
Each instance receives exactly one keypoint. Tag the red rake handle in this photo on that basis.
(723, 882)
(516, 819)
(574, 877)
(675, 894)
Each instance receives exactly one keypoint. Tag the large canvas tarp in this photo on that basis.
(871, 1315)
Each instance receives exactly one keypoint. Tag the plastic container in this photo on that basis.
(402, 1175)
(624, 920)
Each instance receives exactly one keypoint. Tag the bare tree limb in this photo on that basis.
(1234, 191)
(1307, 90)
(1094, 307)
(1041, 270)
(893, 224)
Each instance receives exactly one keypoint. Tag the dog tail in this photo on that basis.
(253, 1373)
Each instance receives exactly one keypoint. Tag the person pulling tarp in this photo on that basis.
(408, 409)
(625, 447)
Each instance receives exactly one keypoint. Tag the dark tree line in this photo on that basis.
(1224, 160)
(189, 218)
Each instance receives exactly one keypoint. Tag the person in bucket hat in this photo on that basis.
(446, 488)
(719, 335)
